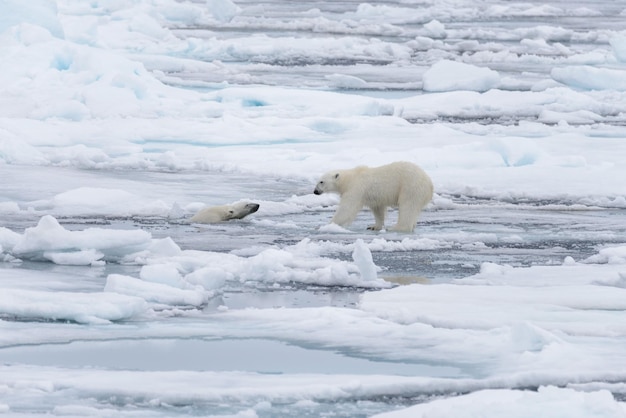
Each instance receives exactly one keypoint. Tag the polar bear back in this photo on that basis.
(211, 214)
(386, 185)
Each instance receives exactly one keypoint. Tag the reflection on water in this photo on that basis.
(405, 280)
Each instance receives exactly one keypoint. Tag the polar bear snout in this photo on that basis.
(328, 183)
(325, 184)
(252, 207)
(247, 210)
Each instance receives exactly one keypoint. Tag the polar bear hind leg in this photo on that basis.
(409, 209)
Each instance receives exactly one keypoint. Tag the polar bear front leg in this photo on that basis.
(347, 211)
(379, 216)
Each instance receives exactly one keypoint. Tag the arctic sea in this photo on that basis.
(119, 120)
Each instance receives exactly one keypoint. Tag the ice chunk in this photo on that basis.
(346, 81)
(223, 10)
(8, 239)
(610, 255)
(619, 47)
(481, 306)
(165, 247)
(49, 236)
(92, 308)
(41, 13)
(155, 292)
(276, 265)
(517, 404)
(435, 29)
(451, 75)
(577, 117)
(362, 257)
(590, 78)
(211, 278)
(75, 258)
(334, 228)
(163, 273)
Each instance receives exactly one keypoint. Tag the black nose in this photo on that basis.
(254, 207)
(317, 191)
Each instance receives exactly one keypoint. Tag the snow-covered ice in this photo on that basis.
(120, 120)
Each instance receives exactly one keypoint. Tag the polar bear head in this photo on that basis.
(240, 210)
(329, 183)
(222, 213)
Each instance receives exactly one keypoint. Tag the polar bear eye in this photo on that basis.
(321, 182)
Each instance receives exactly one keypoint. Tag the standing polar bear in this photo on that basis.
(401, 184)
(221, 213)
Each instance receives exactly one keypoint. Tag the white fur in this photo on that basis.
(213, 214)
(401, 184)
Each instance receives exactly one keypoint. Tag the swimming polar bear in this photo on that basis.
(222, 213)
(401, 184)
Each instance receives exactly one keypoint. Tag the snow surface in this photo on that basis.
(119, 120)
